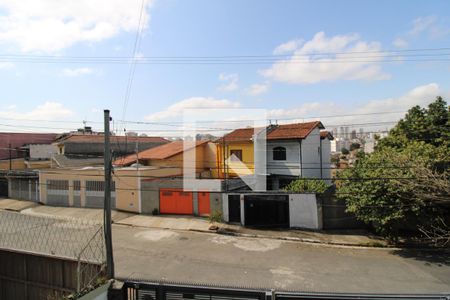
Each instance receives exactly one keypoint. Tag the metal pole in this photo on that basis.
(107, 206)
(10, 162)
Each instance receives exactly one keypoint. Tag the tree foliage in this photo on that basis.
(402, 184)
(304, 185)
(354, 146)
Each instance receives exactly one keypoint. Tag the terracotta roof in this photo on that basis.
(241, 134)
(326, 134)
(160, 152)
(286, 131)
(293, 131)
(113, 139)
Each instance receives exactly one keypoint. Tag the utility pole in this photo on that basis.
(107, 205)
(10, 161)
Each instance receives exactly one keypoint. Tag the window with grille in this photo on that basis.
(95, 186)
(279, 153)
(58, 184)
(58, 187)
(76, 185)
(98, 186)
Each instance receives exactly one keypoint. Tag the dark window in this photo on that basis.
(279, 153)
(76, 185)
(237, 153)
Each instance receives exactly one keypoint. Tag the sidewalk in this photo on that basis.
(344, 238)
(191, 223)
(33, 208)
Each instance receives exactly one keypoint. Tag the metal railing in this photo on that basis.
(133, 290)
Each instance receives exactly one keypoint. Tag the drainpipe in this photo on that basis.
(300, 157)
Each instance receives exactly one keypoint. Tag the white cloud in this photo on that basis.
(230, 82)
(76, 72)
(176, 110)
(50, 26)
(429, 26)
(288, 47)
(400, 43)
(312, 63)
(420, 95)
(47, 111)
(258, 89)
(422, 24)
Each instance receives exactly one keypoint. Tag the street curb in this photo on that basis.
(290, 239)
(303, 240)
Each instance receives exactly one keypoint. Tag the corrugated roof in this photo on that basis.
(113, 139)
(18, 140)
(160, 152)
(286, 131)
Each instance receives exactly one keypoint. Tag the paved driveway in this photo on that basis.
(190, 257)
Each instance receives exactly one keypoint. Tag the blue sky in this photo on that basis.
(80, 91)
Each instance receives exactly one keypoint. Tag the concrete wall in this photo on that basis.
(127, 195)
(311, 155)
(304, 211)
(290, 166)
(42, 151)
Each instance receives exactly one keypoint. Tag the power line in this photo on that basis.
(238, 56)
(133, 64)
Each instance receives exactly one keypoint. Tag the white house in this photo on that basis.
(298, 150)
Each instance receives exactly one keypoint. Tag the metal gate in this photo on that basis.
(154, 291)
(162, 291)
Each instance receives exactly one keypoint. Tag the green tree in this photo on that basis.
(305, 185)
(345, 151)
(430, 125)
(383, 187)
(354, 146)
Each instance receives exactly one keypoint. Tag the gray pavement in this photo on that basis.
(70, 238)
(191, 257)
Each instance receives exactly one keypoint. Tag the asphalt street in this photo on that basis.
(202, 258)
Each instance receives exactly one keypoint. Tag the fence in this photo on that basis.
(76, 244)
(162, 291)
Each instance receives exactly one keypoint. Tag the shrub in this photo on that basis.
(305, 185)
(215, 217)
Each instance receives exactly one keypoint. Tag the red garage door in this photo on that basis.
(203, 203)
(175, 201)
